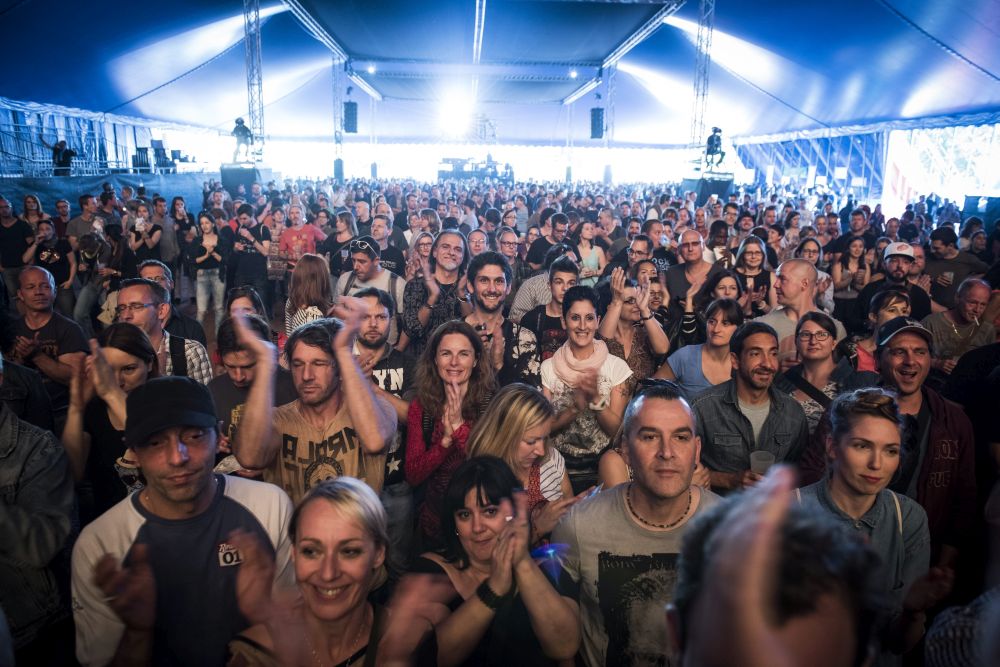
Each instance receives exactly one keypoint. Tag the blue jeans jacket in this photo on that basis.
(36, 507)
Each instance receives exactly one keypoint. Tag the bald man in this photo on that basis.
(694, 270)
(795, 286)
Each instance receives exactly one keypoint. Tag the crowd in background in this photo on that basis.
(476, 423)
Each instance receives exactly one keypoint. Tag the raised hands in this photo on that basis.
(545, 518)
(454, 395)
(261, 350)
(254, 578)
(129, 591)
(617, 284)
(99, 372)
(351, 311)
(586, 390)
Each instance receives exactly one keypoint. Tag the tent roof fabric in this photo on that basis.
(777, 67)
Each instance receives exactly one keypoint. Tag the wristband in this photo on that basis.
(488, 597)
(599, 404)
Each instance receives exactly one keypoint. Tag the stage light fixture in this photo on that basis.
(573, 74)
(371, 69)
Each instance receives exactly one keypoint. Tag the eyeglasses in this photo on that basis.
(509, 244)
(132, 307)
(813, 335)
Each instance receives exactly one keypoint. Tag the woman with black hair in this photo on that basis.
(755, 277)
(505, 609)
(700, 366)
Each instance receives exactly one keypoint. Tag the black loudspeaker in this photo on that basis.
(351, 117)
(338, 170)
(597, 123)
(235, 175)
(569, 174)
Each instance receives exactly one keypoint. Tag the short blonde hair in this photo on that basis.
(352, 498)
(512, 411)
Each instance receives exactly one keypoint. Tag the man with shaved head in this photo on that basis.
(45, 340)
(694, 270)
(795, 285)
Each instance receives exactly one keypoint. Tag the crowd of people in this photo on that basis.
(472, 424)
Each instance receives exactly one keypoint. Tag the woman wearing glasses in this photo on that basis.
(419, 253)
(630, 330)
(755, 277)
(818, 378)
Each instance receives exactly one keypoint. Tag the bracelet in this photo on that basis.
(645, 319)
(488, 597)
(599, 405)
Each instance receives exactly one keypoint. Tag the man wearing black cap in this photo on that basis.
(938, 459)
(154, 577)
(899, 258)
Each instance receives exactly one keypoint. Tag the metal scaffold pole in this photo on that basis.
(703, 63)
(255, 79)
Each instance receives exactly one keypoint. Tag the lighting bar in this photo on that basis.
(365, 86)
(581, 91)
(315, 29)
(644, 31)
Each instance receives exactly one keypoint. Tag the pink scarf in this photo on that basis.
(569, 369)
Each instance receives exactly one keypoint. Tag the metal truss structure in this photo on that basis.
(255, 78)
(702, 65)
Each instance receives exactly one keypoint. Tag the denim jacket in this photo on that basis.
(727, 435)
(36, 506)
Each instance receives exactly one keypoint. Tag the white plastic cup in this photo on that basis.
(761, 461)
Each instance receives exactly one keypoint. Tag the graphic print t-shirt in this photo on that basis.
(548, 331)
(626, 575)
(308, 455)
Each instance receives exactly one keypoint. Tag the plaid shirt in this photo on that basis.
(199, 367)
(727, 435)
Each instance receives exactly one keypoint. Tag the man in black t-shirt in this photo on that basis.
(546, 321)
(15, 237)
(858, 228)
(392, 374)
(536, 254)
(253, 243)
(230, 389)
(390, 257)
(46, 341)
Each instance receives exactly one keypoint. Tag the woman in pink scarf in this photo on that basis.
(587, 388)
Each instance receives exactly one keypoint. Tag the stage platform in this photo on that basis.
(188, 185)
(709, 183)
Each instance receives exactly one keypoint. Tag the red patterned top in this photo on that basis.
(432, 466)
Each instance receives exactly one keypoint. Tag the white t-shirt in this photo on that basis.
(583, 436)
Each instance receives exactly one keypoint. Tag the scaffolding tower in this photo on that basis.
(255, 78)
(702, 65)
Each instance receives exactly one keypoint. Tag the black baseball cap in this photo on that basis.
(164, 402)
(367, 245)
(898, 325)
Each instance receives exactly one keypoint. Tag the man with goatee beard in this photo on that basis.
(392, 375)
(513, 349)
(747, 413)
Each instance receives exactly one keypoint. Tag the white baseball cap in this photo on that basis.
(898, 248)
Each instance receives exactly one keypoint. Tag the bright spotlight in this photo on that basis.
(371, 69)
(573, 74)
(455, 114)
